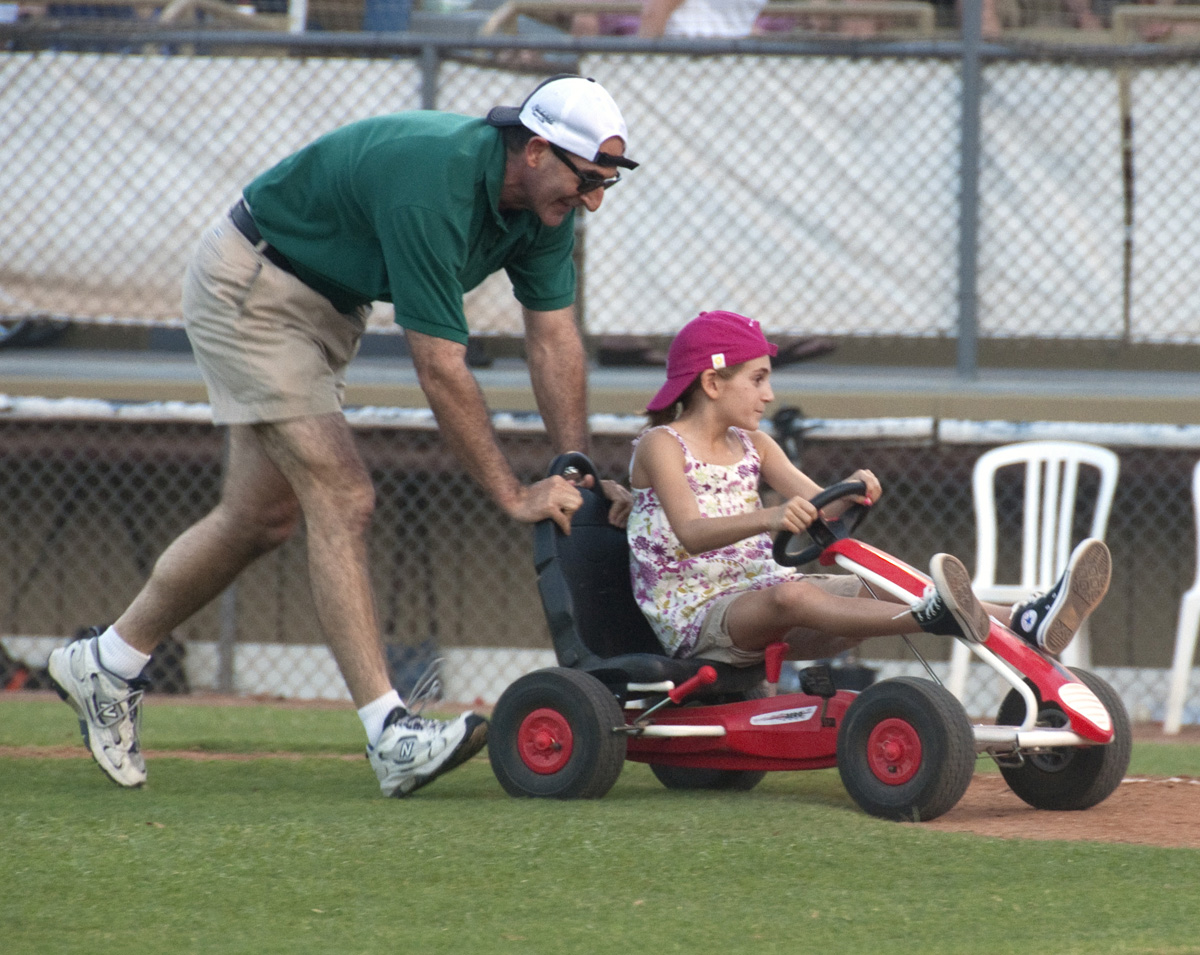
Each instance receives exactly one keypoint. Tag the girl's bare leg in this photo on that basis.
(818, 624)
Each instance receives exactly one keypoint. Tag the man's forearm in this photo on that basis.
(558, 372)
(465, 424)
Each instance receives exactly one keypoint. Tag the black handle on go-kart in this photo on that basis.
(823, 532)
(573, 465)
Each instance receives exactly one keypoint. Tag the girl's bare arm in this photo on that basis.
(659, 462)
(783, 476)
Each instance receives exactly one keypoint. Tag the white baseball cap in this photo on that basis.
(575, 113)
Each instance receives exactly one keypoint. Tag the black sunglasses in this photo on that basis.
(588, 181)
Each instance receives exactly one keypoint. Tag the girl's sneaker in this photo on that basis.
(950, 607)
(1052, 619)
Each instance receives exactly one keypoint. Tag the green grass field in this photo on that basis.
(301, 854)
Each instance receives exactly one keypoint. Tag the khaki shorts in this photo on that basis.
(714, 642)
(269, 347)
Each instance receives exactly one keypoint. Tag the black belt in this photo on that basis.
(244, 222)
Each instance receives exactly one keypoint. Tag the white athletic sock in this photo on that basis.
(118, 657)
(375, 712)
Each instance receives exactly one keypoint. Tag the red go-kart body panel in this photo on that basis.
(792, 731)
(1054, 682)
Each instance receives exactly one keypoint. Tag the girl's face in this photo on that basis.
(744, 397)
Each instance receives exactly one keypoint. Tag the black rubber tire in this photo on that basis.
(585, 714)
(724, 780)
(1070, 777)
(698, 777)
(935, 739)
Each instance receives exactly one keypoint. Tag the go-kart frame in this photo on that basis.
(904, 747)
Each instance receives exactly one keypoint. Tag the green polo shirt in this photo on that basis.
(405, 208)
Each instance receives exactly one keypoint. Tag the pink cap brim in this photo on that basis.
(669, 393)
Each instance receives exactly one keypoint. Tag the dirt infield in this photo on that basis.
(1144, 810)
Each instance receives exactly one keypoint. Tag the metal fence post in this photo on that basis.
(968, 236)
(227, 615)
(227, 640)
(429, 76)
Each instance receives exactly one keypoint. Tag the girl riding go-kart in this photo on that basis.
(721, 600)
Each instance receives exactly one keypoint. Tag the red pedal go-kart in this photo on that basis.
(904, 747)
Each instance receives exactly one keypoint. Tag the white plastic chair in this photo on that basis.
(1186, 631)
(1051, 485)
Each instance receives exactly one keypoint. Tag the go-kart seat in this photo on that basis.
(595, 623)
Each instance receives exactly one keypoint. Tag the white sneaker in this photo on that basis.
(109, 710)
(413, 751)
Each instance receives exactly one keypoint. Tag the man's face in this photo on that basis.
(554, 186)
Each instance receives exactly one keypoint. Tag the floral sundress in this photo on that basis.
(675, 588)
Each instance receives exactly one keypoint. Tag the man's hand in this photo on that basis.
(553, 497)
(622, 502)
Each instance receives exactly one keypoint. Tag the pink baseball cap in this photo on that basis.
(710, 340)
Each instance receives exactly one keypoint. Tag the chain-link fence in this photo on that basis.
(820, 190)
(90, 495)
(817, 191)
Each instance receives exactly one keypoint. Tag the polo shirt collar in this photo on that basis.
(493, 180)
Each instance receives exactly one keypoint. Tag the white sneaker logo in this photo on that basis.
(1029, 620)
(408, 746)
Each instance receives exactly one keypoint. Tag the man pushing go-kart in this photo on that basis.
(415, 208)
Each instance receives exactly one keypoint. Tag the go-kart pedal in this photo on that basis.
(817, 680)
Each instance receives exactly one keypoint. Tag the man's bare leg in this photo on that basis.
(275, 473)
(257, 512)
(320, 461)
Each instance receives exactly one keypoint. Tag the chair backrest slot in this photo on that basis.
(1052, 474)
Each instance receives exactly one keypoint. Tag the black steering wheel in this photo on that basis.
(822, 532)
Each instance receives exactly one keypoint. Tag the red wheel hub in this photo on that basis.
(545, 741)
(894, 751)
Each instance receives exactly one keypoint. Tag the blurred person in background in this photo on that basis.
(997, 15)
(414, 208)
(700, 18)
(605, 24)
